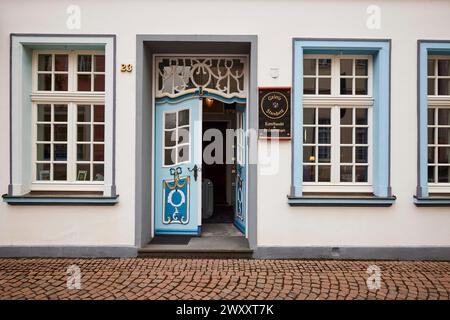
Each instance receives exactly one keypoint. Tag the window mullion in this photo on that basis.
(335, 149)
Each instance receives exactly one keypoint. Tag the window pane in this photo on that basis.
(431, 67)
(83, 152)
(361, 86)
(324, 116)
(361, 67)
(60, 113)
(61, 82)
(361, 116)
(99, 113)
(61, 62)
(59, 171)
(83, 132)
(443, 155)
(443, 87)
(431, 170)
(309, 154)
(98, 173)
(361, 155)
(346, 116)
(45, 62)
(309, 85)
(43, 171)
(83, 172)
(309, 173)
(346, 135)
(361, 135)
(309, 67)
(431, 154)
(431, 135)
(325, 67)
(99, 152)
(324, 174)
(309, 135)
(44, 112)
(309, 116)
(43, 132)
(170, 138)
(99, 82)
(169, 156)
(346, 154)
(444, 136)
(99, 63)
(346, 67)
(60, 152)
(99, 134)
(431, 89)
(324, 85)
(346, 86)
(431, 116)
(346, 174)
(84, 63)
(183, 117)
(324, 135)
(183, 135)
(361, 174)
(444, 117)
(183, 153)
(170, 120)
(444, 174)
(60, 132)
(84, 82)
(43, 152)
(443, 67)
(84, 113)
(324, 154)
(44, 82)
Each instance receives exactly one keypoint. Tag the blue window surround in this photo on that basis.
(380, 50)
(21, 47)
(424, 48)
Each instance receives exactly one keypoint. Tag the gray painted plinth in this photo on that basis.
(355, 253)
(68, 251)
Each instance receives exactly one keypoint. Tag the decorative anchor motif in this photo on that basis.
(240, 195)
(176, 198)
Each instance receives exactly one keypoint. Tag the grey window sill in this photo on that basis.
(432, 201)
(61, 199)
(341, 201)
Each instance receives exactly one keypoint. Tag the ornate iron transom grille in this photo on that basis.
(222, 76)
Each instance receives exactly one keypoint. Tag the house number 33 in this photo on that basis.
(124, 67)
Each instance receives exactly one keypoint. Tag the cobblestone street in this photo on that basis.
(154, 278)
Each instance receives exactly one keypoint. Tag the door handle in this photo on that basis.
(195, 169)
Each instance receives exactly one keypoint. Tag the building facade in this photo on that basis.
(108, 110)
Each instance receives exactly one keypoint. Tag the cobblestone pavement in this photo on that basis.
(154, 278)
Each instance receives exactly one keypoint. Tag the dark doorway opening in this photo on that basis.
(218, 117)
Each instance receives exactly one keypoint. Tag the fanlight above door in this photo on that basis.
(222, 77)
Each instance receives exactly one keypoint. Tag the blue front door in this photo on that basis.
(240, 211)
(177, 188)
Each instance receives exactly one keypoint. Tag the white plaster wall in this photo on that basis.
(275, 23)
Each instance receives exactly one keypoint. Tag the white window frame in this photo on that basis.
(72, 97)
(335, 101)
(436, 101)
(436, 77)
(189, 143)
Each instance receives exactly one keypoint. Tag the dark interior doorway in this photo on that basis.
(220, 117)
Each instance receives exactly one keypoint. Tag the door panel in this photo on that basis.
(241, 185)
(177, 188)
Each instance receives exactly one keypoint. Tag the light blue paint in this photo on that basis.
(431, 202)
(240, 216)
(425, 48)
(163, 173)
(12, 200)
(197, 94)
(380, 50)
(320, 201)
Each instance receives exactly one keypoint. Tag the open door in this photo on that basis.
(241, 174)
(178, 148)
